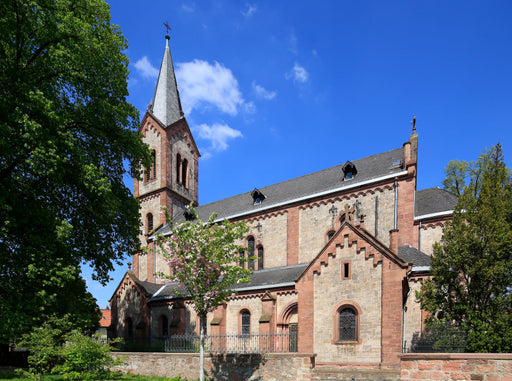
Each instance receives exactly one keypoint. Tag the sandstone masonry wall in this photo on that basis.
(457, 366)
(277, 367)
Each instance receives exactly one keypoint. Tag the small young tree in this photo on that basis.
(472, 265)
(203, 259)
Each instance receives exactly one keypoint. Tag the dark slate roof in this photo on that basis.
(272, 277)
(260, 280)
(149, 288)
(412, 255)
(434, 200)
(327, 180)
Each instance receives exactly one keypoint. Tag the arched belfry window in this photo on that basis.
(178, 168)
(150, 173)
(184, 165)
(149, 223)
(153, 165)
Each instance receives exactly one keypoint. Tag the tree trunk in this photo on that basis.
(202, 333)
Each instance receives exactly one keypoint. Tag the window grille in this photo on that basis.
(347, 325)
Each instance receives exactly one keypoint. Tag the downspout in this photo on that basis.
(419, 237)
(396, 205)
(404, 310)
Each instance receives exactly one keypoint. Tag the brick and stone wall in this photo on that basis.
(456, 366)
(282, 367)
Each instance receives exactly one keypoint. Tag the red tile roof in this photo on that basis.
(106, 317)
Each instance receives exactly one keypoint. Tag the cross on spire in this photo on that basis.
(166, 24)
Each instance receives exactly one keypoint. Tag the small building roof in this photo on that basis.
(260, 280)
(412, 255)
(434, 200)
(106, 318)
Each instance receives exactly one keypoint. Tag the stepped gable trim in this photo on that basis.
(376, 249)
(433, 224)
(180, 126)
(129, 279)
(148, 126)
(346, 197)
(287, 292)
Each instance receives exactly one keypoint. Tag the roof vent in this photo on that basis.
(349, 170)
(189, 216)
(257, 196)
(397, 164)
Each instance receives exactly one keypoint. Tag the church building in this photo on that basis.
(339, 252)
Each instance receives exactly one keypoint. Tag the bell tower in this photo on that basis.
(172, 180)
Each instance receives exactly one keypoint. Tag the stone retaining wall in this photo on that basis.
(272, 367)
(301, 367)
(456, 366)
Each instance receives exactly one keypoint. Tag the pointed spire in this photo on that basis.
(166, 105)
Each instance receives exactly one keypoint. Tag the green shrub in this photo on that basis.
(85, 358)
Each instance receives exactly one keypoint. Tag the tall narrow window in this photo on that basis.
(164, 326)
(250, 244)
(246, 323)
(184, 165)
(178, 168)
(149, 222)
(347, 325)
(128, 328)
(260, 257)
(153, 166)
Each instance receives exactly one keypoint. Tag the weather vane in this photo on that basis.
(413, 122)
(166, 24)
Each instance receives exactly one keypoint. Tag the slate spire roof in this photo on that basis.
(166, 105)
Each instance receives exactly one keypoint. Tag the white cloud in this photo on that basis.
(250, 10)
(262, 92)
(218, 135)
(188, 7)
(298, 73)
(145, 68)
(202, 83)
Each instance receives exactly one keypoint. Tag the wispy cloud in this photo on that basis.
(188, 7)
(218, 136)
(203, 84)
(250, 9)
(146, 69)
(298, 73)
(262, 92)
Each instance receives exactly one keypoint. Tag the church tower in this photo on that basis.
(172, 180)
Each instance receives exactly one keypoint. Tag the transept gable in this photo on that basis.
(365, 244)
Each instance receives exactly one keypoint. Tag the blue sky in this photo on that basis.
(277, 89)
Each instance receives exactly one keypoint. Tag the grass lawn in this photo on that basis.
(9, 376)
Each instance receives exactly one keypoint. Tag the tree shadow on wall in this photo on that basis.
(231, 367)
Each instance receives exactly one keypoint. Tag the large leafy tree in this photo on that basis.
(66, 134)
(472, 265)
(203, 257)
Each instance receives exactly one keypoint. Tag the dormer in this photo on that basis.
(257, 197)
(349, 171)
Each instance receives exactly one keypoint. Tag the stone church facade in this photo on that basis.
(339, 252)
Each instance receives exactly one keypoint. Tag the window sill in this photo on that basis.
(347, 342)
